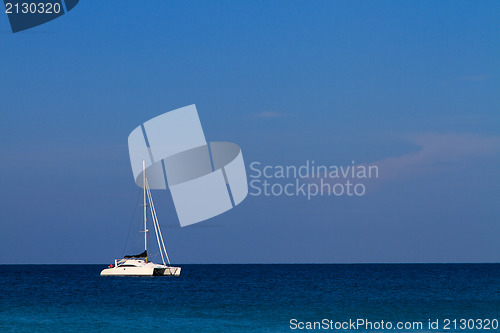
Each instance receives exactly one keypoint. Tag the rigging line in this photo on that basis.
(159, 231)
(131, 222)
(153, 217)
(162, 243)
(156, 233)
(155, 220)
(161, 236)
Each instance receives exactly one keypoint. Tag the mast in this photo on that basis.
(145, 218)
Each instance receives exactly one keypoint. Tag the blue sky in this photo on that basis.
(412, 86)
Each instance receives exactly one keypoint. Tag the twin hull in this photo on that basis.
(142, 271)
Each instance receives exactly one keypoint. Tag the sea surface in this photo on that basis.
(247, 298)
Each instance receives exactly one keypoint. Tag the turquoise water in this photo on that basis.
(244, 298)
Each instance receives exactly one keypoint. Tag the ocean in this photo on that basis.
(252, 298)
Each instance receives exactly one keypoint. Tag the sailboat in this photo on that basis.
(139, 265)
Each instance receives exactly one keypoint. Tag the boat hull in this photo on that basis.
(167, 271)
(128, 271)
(142, 271)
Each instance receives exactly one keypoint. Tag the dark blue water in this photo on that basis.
(244, 298)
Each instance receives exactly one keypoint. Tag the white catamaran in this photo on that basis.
(138, 265)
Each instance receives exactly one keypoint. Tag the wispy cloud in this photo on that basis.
(438, 151)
